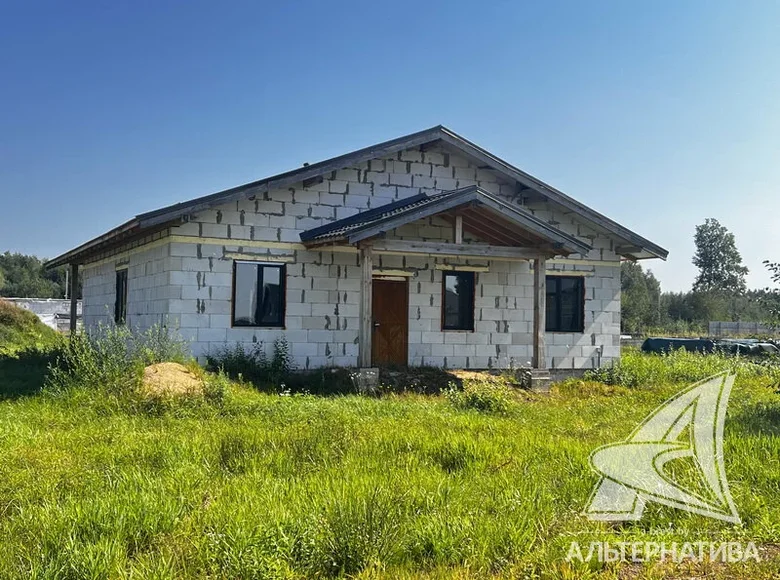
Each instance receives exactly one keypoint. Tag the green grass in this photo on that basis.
(20, 329)
(487, 484)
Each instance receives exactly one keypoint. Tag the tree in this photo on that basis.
(640, 298)
(2, 279)
(26, 277)
(718, 260)
(770, 299)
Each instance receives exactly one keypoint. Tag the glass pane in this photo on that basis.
(120, 304)
(245, 302)
(570, 304)
(272, 300)
(551, 305)
(458, 301)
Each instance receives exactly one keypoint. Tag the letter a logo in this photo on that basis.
(688, 427)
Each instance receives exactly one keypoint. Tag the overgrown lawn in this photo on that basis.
(269, 486)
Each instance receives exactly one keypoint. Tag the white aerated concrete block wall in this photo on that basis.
(323, 288)
(148, 287)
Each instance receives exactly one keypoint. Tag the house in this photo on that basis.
(423, 250)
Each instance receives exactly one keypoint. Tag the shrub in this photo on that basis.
(215, 387)
(480, 395)
(254, 365)
(112, 358)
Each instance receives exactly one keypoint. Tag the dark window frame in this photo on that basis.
(472, 318)
(557, 325)
(283, 293)
(120, 300)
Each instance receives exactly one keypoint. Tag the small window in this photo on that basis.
(120, 302)
(458, 301)
(565, 304)
(258, 294)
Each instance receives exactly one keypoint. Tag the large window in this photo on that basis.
(565, 304)
(258, 294)
(458, 301)
(120, 300)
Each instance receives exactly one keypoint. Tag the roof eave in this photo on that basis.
(73, 256)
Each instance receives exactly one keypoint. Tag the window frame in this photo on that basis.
(283, 291)
(581, 305)
(120, 306)
(458, 273)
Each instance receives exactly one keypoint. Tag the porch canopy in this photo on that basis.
(505, 231)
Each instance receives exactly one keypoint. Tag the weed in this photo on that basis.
(254, 365)
(480, 395)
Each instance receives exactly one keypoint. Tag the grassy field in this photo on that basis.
(253, 485)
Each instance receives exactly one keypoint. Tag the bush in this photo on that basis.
(254, 365)
(112, 358)
(486, 396)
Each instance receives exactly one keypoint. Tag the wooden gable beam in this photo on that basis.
(456, 250)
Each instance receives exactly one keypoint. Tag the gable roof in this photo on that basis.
(157, 219)
(382, 219)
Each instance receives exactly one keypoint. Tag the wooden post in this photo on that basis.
(458, 229)
(73, 290)
(540, 311)
(366, 311)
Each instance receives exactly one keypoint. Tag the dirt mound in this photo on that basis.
(170, 379)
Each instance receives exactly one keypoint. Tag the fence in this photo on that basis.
(740, 329)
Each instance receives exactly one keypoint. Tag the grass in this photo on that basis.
(488, 483)
(20, 329)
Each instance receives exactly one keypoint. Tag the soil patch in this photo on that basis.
(170, 379)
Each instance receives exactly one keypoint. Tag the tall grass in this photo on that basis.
(22, 330)
(635, 369)
(268, 486)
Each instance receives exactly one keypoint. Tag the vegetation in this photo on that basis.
(23, 276)
(486, 481)
(718, 293)
(770, 301)
(639, 298)
(718, 260)
(21, 329)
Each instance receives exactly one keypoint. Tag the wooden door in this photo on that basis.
(390, 339)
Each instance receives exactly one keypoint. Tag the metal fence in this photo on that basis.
(740, 329)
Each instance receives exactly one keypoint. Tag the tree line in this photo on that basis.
(23, 276)
(719, 291)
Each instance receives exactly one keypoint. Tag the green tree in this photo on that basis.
(640, 298)
(718, 260)
(26, 277)
(770, 299)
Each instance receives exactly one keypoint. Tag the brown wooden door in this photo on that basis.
(390, 304)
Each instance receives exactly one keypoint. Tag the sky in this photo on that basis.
(658, 114)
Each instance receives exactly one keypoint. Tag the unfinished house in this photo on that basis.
(423, 250)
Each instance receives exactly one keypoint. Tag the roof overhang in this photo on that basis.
(486, 215)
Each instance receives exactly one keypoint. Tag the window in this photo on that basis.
(258, 294)
(565, 304)
(458, 301)
(120, 301)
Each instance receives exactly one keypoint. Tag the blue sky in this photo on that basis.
(658, 114)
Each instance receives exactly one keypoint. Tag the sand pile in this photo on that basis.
(170, 379)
